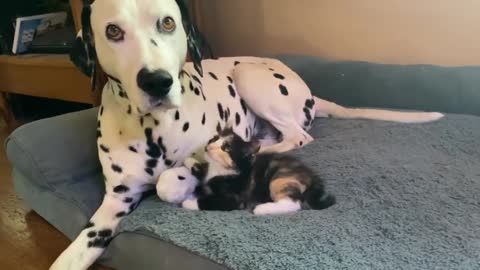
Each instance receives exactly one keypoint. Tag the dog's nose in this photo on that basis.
(155, 83)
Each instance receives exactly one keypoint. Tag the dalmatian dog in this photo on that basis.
(157, 109)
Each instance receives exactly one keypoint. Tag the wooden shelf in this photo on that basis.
(48, 60)
(49, 76)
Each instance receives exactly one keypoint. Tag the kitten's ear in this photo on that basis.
(83, 53)
(228, 130)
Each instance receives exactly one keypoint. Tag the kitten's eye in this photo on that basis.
(226, 148)
(167, 25)
(114, 33)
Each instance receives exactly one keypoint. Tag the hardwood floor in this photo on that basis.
(27, 241)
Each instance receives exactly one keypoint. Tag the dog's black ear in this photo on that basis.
(83, 53)
(197, 44)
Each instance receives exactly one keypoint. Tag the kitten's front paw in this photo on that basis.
(190, 204)
(277, 208)
(263, 209)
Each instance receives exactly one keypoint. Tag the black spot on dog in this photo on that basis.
(244, 106)
(121, 189)
(183, 89)
(101, 240)
(191, 86)
(283, 89)
(184, 73)
(129, 111)
(307, 113)
(181, 178)
(99, 243)
(227, 114)
(230, 79)
(105, 233)
(89, 225)
(152, 163)
(309, 103)
(156, 122)
(271, 69)
(99, 133)
(214, 138)
(128, 200)
(117, 168)
(301, 143)
(104, 148)
(220, 110)
(149, 171)
(91, 234)
(236, 63)
(141, 121)
(186, 126)
(120, 214)
(246, 133)
(237, 119)
(168, 162)
(133, 149)
(278, 76)
(233, 93)
(153, 149)
(213, 75)
(219, 127)
(161, 145)
(203, 119)
(153, 42)
(101, 110)
(177, 115)
(196, 79)
(196, 91)
(99, 124)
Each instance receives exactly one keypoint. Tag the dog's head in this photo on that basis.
(141, 43)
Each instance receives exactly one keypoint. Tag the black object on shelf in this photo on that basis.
(56, 41)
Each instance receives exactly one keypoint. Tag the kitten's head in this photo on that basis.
(230, 150)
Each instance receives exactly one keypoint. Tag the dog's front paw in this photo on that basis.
(174, 185)
(190, 204)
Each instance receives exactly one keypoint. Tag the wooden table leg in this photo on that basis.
(7, 112)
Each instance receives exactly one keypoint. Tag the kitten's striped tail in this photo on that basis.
(317, 198)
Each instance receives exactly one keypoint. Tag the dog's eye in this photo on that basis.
(168, 24)
(115, 33)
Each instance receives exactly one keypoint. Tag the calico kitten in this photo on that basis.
(235, 176)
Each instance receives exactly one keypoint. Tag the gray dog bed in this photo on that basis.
(408, 195)
(408, 198)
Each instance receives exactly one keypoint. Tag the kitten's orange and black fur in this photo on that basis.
(235, 176)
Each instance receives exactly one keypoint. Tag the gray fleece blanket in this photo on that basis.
(408, 198)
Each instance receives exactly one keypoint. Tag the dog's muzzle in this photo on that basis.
(155, 83)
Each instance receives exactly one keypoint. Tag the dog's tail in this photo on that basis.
(325, 108)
